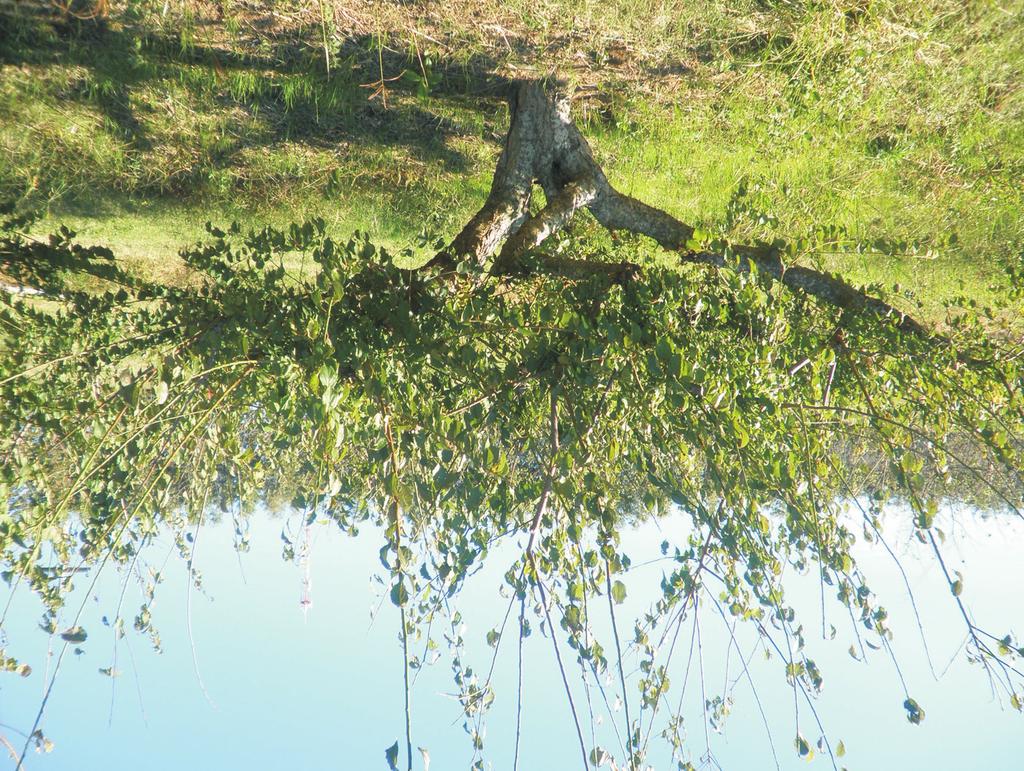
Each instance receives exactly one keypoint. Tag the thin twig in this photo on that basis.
(618, 654)
(558, 659)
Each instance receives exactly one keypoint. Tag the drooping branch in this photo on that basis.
(543, 147)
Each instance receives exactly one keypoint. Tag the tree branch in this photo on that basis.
(548, 221)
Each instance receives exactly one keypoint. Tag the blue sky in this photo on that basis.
(325, 692)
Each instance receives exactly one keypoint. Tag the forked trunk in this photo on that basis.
(543, 147)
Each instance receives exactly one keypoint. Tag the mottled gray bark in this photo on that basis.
(558, 212)
(543, 147)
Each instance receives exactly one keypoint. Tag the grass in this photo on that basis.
(888, 135)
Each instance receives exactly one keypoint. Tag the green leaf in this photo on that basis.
(742, 437)
(803, 748)
(162, 390)
(399, 594)
(914, 712)
(74, 635)
(391, 755)
(619, 592)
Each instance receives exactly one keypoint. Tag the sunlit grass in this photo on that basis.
(898, 125)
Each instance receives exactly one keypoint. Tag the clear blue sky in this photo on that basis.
(325, 693)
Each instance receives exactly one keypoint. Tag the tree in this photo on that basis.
(549, 394)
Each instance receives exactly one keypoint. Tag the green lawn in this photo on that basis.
(889, 135)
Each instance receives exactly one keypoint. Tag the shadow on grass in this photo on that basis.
(280, 85)
(43, 265)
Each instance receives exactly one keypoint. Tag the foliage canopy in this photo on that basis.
(457, 407)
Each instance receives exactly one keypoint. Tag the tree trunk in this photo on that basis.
(543, 147)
